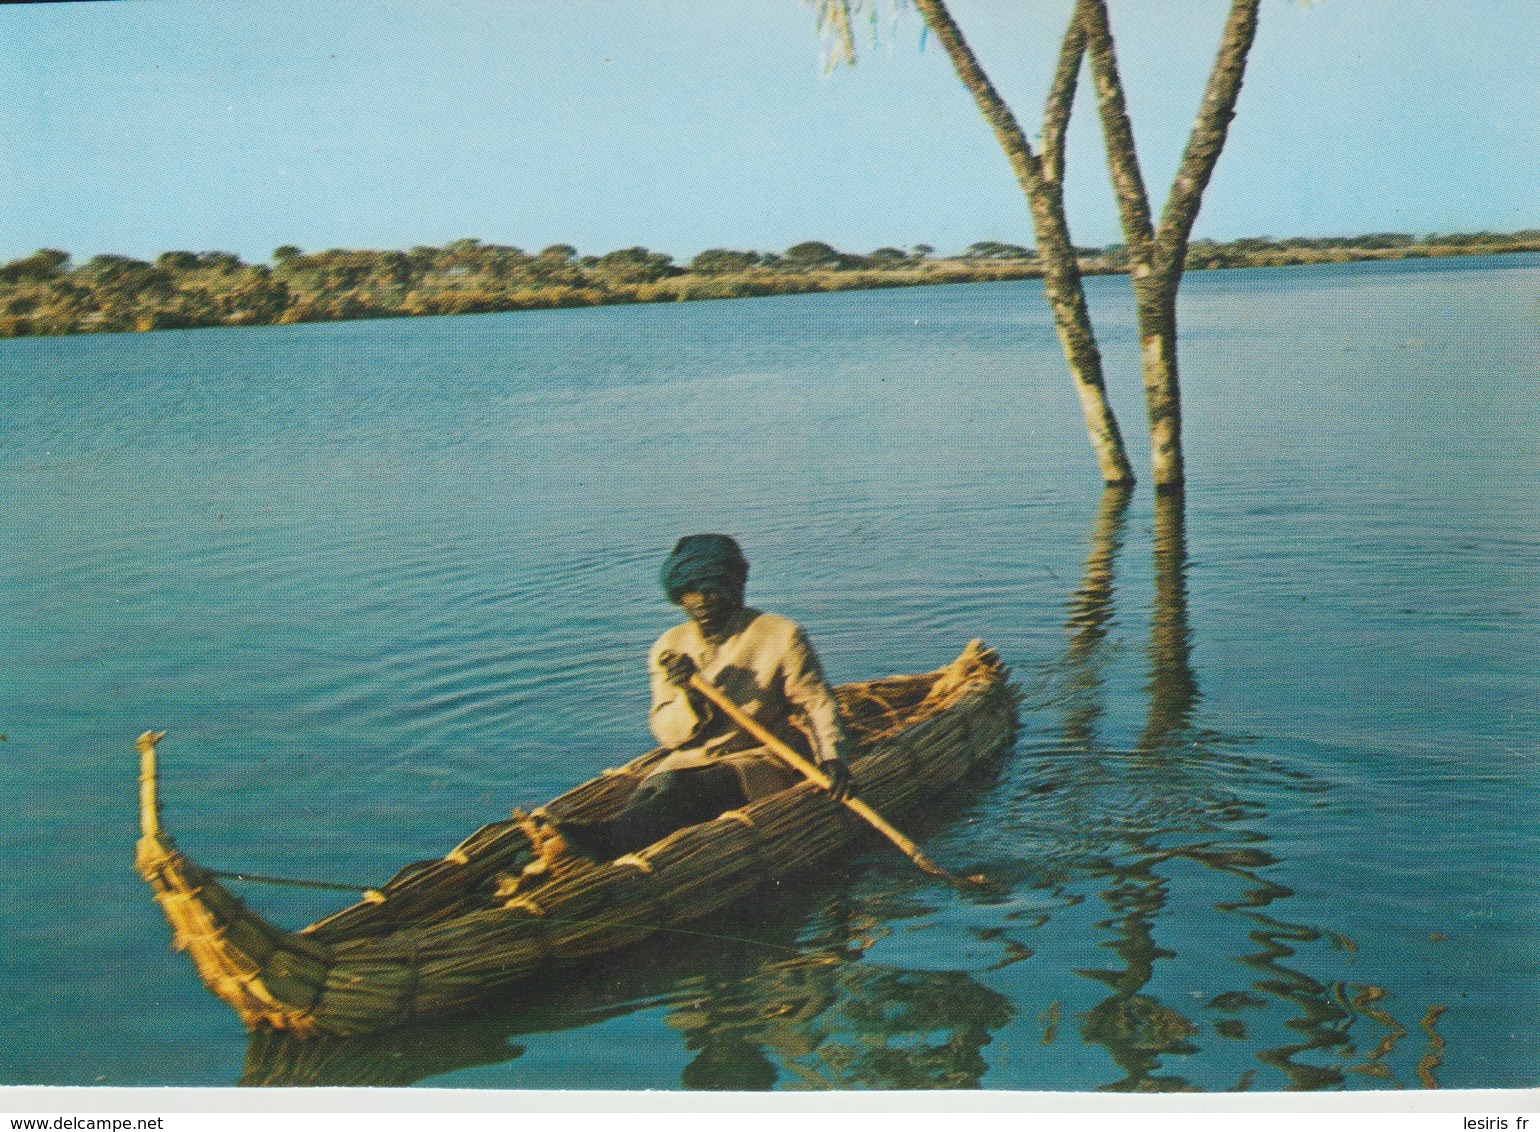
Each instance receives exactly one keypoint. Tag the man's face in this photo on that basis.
(709, 610)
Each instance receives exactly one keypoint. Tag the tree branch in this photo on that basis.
(1024, 163)
(833, 18)
(1117, 131)
(1208, 135)
(1061, 100)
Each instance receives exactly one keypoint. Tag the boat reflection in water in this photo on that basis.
(824, 1021)
(784, 1001)
(1166, 832)
(1147, 816)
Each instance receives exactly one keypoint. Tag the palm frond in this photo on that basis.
(837, 21)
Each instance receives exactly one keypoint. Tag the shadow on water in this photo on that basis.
(783, 995)
(1149, 814)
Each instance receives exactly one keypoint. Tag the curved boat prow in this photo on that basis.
(272, 978)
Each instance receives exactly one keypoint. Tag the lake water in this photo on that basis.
(1269, 824)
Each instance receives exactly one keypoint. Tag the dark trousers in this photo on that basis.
(661, 804)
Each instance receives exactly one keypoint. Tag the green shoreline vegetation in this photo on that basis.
(45, 294)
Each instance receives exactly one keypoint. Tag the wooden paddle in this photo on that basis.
(810, 771)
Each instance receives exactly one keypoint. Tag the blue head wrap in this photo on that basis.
(704, 563)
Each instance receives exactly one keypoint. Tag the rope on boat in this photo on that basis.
(293, 882)
(149, 822)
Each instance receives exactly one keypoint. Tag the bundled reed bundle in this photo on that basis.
(491, 913)
(431, 890)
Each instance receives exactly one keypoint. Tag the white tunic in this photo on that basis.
(766, 666)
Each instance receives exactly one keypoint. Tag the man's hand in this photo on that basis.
(677, 668)
(838, 774)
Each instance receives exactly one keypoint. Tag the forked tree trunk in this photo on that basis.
(1158, 255)
(1040, 181)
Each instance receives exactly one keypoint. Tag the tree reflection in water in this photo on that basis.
(1144, 813)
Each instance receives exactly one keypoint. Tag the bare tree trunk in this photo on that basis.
(1040, 181)
(1155, 303)
(1159, 255)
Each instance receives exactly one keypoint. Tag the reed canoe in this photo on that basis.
(500, 908)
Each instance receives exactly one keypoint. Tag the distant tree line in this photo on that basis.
(1262, 251)
(47, 294)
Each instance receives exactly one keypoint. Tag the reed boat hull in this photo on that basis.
(498, 909)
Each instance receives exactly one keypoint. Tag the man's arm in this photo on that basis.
(808, 692)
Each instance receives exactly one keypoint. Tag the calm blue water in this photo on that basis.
(1269, 824)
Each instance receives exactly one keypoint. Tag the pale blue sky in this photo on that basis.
(138, 126)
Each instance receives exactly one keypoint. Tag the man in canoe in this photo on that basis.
(763, 663)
